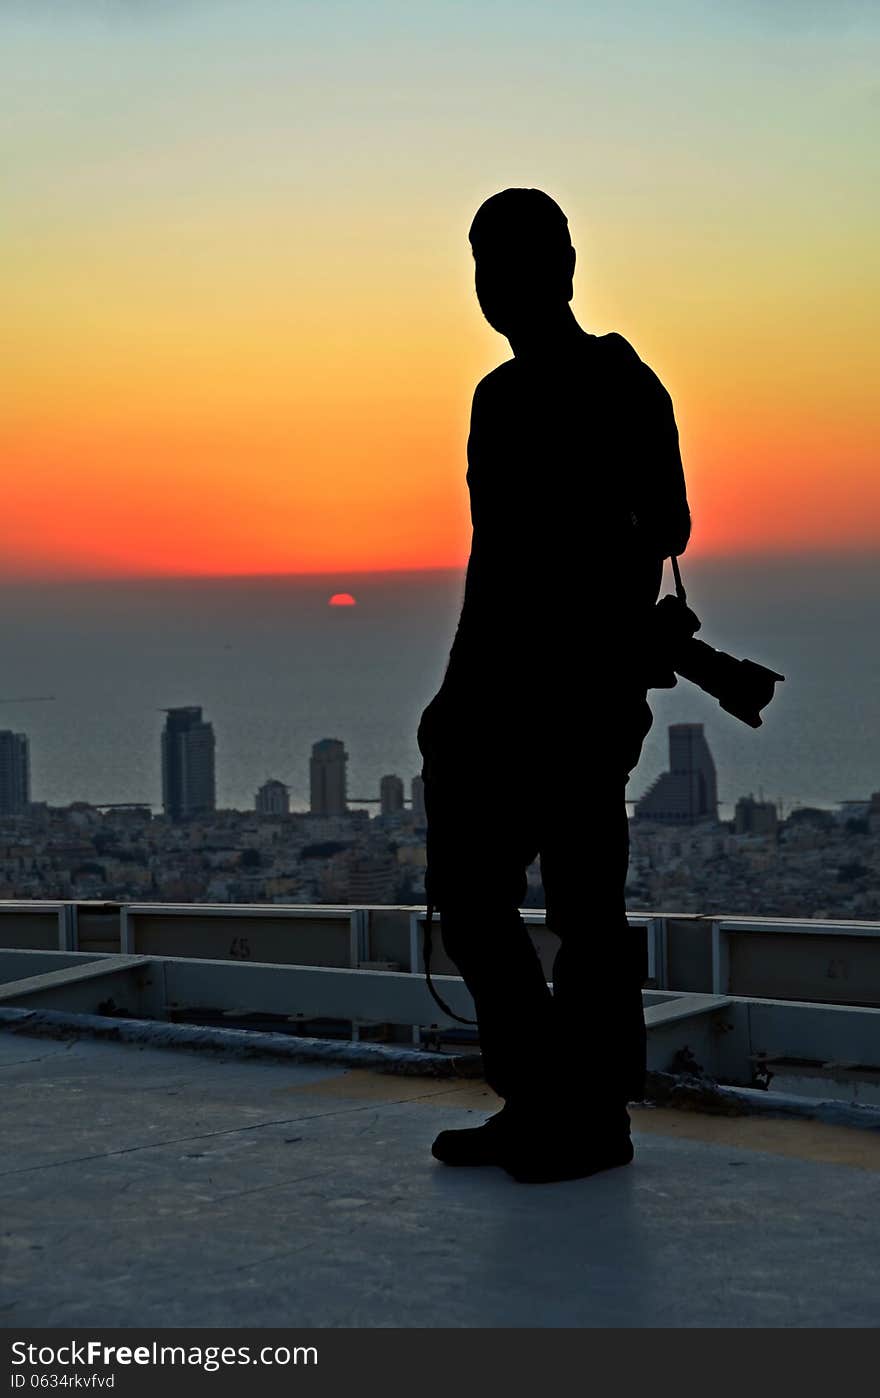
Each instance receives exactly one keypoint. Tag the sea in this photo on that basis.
(87, 668)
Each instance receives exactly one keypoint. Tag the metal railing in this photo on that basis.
(735, 1040)
(830, 962)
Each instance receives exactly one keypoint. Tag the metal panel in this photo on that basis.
(95, 927)
(87, 987)
(697, 1035)
(36, 924)
(692, 1022)
(300, 937)
(388, 935)
(689, 954)
(15, 965)
(833, 968)
(817, 1033)
(680, 1007)
(313, 992)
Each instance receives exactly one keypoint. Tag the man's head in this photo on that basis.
(524, 259)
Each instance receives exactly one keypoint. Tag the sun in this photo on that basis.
(342, 599)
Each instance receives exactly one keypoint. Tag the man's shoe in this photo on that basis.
(552, 1161)
(476, 1145)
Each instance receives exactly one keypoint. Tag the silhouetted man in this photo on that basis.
(577, 495)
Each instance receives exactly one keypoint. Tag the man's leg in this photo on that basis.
(476, 877)
(598, 1032)
(492, 949)
(599, 969)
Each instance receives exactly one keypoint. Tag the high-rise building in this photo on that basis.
(273, 798)
(688, 792)
(327, 778)
(390, 795)
(753, 817)
(188, 783)
(15, 773)
(417, 789)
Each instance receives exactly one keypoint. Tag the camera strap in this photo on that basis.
(679, 585)
(426, 955)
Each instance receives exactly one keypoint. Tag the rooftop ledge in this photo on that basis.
(215, 1136)
(748, 1003)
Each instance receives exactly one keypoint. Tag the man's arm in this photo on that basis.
(659, 495)
(662, 507)
(466, 642)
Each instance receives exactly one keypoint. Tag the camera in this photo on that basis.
(742, 687)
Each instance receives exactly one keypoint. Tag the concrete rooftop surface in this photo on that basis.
(158, 1187)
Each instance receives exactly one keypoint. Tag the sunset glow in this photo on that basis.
(240, 330)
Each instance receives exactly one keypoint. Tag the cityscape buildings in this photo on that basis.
(417, 789)
(15, 780)
(688, 792)
(188, 781)
(815, 862)
(273, 798)
(327, 778)
(390, 795)
(753, 817)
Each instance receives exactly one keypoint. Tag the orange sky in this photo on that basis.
(240, 332)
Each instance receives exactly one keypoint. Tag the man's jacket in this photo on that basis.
(577, 495)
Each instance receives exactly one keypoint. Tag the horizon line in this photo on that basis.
(341, 572)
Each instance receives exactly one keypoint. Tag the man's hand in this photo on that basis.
(673, 625)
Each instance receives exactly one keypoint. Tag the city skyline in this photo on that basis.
(813, 863)
(188, 771)
(686, 793)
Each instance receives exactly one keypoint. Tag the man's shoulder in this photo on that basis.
(494, 396)
(617, 347)
(614, 357)
(497, 379)
(622, 357)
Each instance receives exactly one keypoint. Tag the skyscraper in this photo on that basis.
(417, 789)
(273, 798)
(390, 795)
(188, 784)
(15, 774)
(327, 780)
(688, 792)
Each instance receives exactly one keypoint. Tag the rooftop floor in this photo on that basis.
(157, 1187)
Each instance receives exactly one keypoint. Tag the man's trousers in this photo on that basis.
(490, 815)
